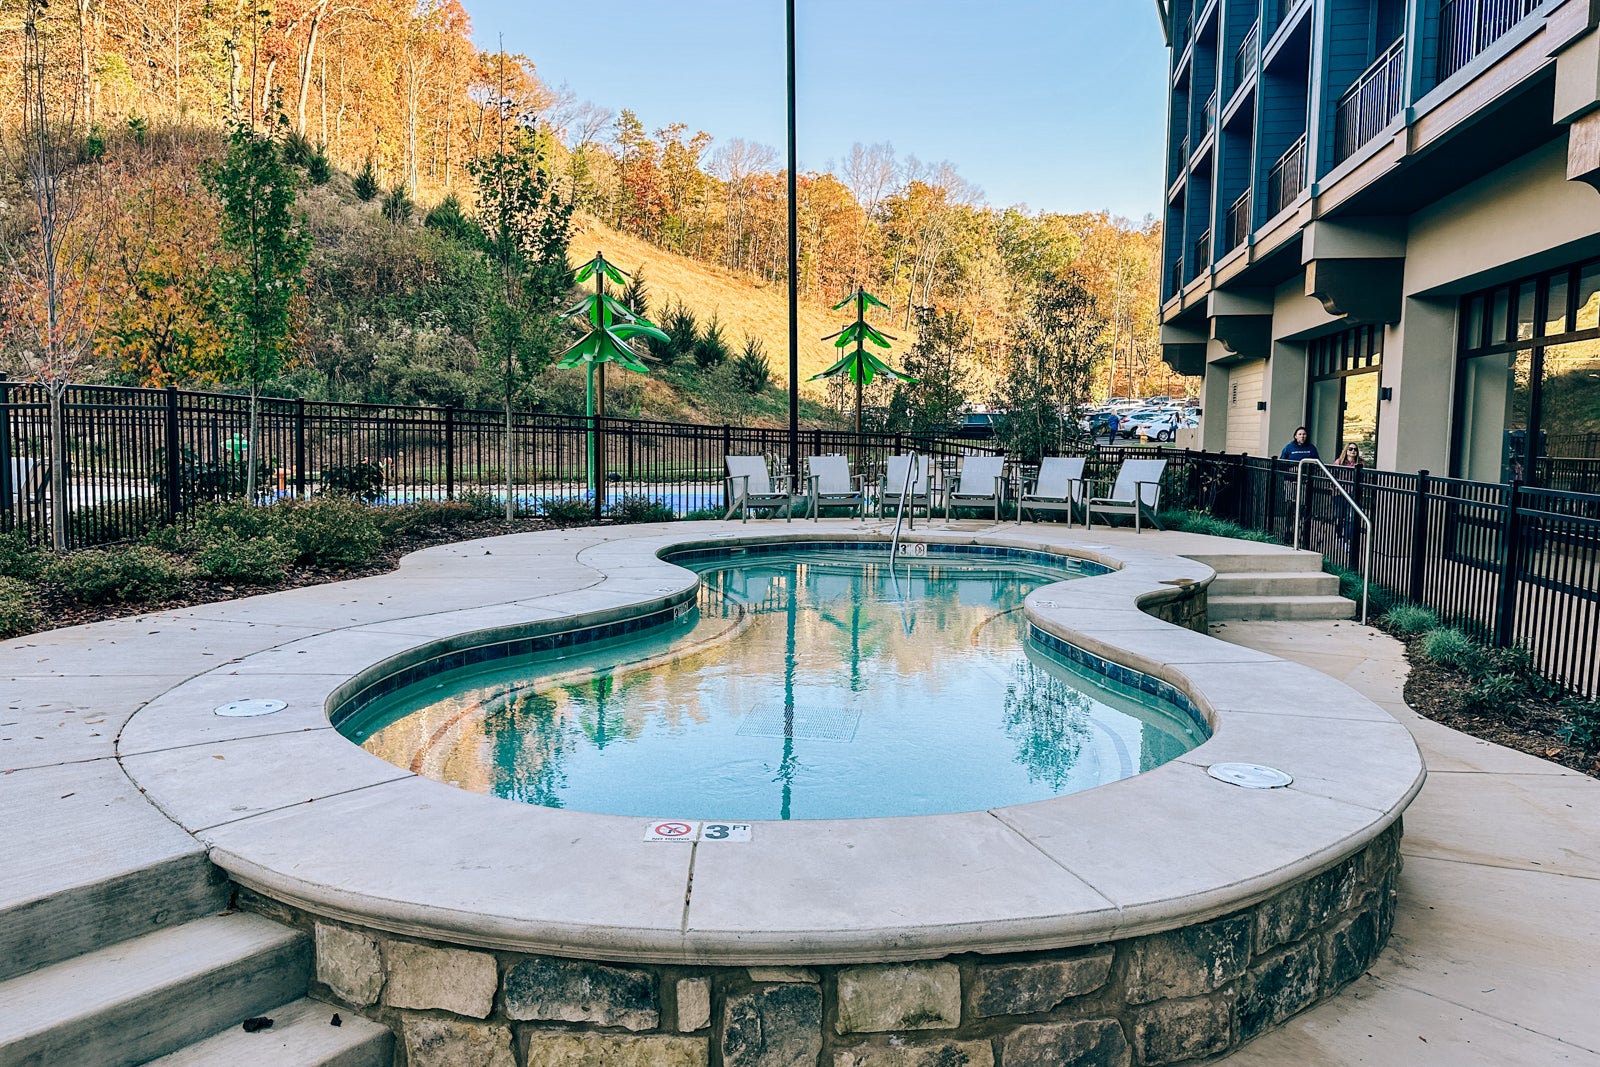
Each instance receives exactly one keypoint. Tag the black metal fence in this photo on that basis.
(135, 458)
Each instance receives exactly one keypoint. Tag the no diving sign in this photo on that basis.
(681, 830)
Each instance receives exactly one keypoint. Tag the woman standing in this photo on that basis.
(1351, 458)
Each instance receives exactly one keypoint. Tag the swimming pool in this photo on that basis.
(809, 682)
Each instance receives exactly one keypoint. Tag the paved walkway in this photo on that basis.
(1495, 958)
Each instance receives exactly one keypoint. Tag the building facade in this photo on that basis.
(1382, 222)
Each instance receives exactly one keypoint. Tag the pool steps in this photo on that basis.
(1268, 586)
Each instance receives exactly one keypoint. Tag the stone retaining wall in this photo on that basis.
(1171, 998)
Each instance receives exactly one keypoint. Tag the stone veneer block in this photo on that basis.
(899, 996)
(1278, 986)
(574, 991)
(1037, 985)
(554, 1048)
(1353, 942)
(432, 1042)
(1171, 1031)
(1086, 1043)
(1291, 915)
(1190, 961)
(780, 1026)
(782, 974)
(350, 964)
(932, 1054)
(694, 1004)
(451, 979)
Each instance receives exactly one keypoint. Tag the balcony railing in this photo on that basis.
(1287, 178)
(1244, 60)
(1278, 11)
(1175, 278)
(1468, 27)
(1371, 102)
(1211, 111)
(1202, 251)
(1239, 219)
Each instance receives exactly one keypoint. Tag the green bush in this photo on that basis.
(1201, 523)
(359, 481)
(683, 332)
(481, 505)
(640, 509)
(1408, 620)
(564, 511)
(750, 368)
(701, 514)
(365, 184)
(253, 561)
(422, 515)
(711, 350)
(1582, 730)
(329, 532)
(1498, 694)
(138, 573)
(113, 521)
(1449, 647)
(17, 614)
(21, 558)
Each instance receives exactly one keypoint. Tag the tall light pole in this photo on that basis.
(794, 277)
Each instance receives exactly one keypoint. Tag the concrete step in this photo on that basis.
(129, 1003)
(1274, 583)
(302, 1035)
(1262, 608)
(102, 865)
(1270, 558)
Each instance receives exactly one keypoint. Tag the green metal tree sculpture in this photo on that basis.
(612, 325)
(860, 365)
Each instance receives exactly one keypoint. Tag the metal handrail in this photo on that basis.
(905, 490)
(1366, 542)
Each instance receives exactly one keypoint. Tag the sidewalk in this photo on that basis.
(1495, 957)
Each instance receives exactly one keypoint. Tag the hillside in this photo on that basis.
(745, 307)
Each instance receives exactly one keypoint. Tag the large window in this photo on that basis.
(1528, 389)
(1345, 372)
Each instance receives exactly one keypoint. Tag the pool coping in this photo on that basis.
(292, 810)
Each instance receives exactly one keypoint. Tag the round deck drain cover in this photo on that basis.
(244, 709)
(1249, 775)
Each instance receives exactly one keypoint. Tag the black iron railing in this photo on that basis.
(1244, 60)
(1202, 251)
(1468, 27)
(1369, 105)
(1175, 277)
(1239, 218)
(1287, 178)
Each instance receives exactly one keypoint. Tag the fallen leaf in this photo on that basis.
(219, 757)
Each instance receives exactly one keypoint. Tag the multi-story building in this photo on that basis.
(1382, 222)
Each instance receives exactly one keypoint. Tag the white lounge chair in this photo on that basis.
(749, 486)
(832, 485)
(27, 481)
(1137, 492)
(981, 483)
(910, 474)
(1059, 486)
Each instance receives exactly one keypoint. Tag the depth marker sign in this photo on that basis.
(682, 830)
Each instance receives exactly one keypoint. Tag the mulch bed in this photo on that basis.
(63, 610)
(1440, 693)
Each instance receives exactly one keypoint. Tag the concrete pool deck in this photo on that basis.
(73, 695)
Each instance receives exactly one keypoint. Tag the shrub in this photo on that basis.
(421, 515)
(139, 573)
(481, 505)
(683, 331)
(21, 558)
(1582, 730)
(711, 350)
(448, 218)
(640, 509)
(329, 532)
(359, 481)
(397, 205)
(113, 521)
(565, 511)
(636, 294)
(17, 613)
(318, 169)
(1500, 694)
(1408, 620)
(751, 369)
(366, 182)
(1449, 647)
(235, 559)
(701, 514)
(216, 478)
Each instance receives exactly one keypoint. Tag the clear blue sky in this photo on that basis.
(1058, 104)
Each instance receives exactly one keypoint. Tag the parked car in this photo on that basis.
(978, 426)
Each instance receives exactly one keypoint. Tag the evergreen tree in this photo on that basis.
(934, 401)
(1056, 348)
(750, 368)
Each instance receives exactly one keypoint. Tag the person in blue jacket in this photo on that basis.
(1300, 448)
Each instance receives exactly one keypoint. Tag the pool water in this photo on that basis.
(806, 684)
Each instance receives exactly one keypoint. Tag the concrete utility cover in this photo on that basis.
(248, 709)
(1249, 775)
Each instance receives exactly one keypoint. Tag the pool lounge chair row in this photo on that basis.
(980, 483)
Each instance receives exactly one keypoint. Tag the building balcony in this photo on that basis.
(1287, 178)
(1202, 251)
(1210, 112)
(1239, 219)
(1371, 103)
(1468, 27)
(1244, 60)
(1175, 278)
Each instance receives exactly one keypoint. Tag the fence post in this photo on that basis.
(300, 448)
(1510, 546)
(5, 454)
(599, 472)
(1419, 538)
(1272, 493)
(174, 458)
(450, 452)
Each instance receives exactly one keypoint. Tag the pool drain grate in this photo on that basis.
(801, 723)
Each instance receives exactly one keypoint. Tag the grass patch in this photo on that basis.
(1200, 523)
(1408, 620)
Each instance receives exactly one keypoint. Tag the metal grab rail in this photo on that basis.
(1366, 541)
(905, 490)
